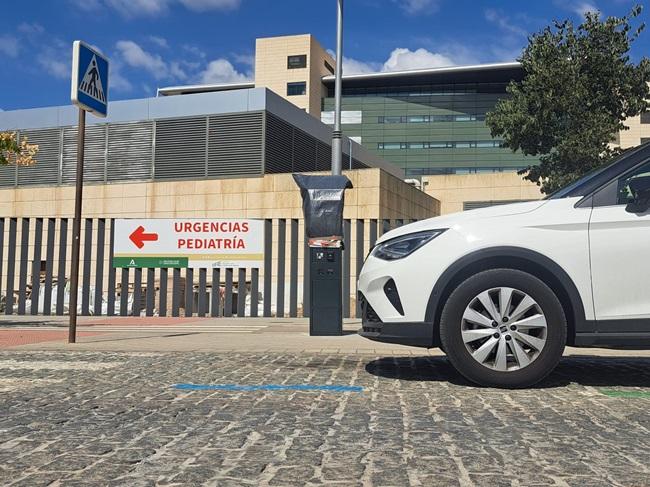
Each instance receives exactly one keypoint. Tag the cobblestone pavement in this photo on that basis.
(114, 419)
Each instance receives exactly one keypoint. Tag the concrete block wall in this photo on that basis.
(455, 189)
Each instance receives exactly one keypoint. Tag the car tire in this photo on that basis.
(542, 346)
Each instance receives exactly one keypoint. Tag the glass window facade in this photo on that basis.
(450, 144)
(430, 129)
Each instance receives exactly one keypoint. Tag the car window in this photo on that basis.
(624, 194)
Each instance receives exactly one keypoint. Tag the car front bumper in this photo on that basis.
(415, 334)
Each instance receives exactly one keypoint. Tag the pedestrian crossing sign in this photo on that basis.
(89, 79)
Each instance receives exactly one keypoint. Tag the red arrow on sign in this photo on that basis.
(138, 237)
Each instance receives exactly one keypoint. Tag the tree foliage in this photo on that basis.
(579, 86)
(14, 151)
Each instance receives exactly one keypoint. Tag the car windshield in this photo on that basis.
(600, 175)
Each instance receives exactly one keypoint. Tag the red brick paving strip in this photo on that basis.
(14, 338)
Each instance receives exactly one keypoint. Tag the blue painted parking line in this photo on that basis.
(268, 387)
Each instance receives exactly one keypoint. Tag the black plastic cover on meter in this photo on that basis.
(322, 204)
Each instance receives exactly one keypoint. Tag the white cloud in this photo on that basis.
(400, 59)
(136, 57)
(51, 62)
(354, 66)
(403, 59)
(413, 7)
(87, 5)
(134, 8)
(9, 45)
(247, 59)
(503, 21)
(117, 81)
(194, 51)
(31, 28)
(152, 8)
(159, 41)
(176, 71)
(222, 71)
(205, 5)
(54, 58)
(582, 8)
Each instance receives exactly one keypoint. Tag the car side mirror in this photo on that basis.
(640, 188)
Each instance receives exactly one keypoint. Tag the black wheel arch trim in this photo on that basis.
(441, 287)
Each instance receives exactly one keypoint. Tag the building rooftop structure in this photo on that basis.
(240, 133)
(425, 121)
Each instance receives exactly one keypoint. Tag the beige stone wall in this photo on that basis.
(453, 190)
(317, 71)
(376, 194)
(271, 68)
(633, 136)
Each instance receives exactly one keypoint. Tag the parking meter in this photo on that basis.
(322, 204)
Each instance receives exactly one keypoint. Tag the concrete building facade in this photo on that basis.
(293, 66)
(428, 122)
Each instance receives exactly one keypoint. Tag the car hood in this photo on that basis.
(448, 221)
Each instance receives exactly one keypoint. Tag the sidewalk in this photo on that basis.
(148, 334)
(152, 334)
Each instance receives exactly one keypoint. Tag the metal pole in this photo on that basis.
(76, 228)
(337, 149)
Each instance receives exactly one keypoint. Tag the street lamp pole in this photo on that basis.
(337, 148)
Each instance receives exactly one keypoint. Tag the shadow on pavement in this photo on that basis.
(32, 324)
(584, 370)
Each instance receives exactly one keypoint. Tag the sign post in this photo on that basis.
(89, 91)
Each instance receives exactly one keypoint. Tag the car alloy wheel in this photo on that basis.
(504, 329)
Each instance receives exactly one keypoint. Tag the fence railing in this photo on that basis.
(35, 270)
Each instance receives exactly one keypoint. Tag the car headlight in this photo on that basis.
(399, 247)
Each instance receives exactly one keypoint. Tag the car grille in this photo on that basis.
(368, 314)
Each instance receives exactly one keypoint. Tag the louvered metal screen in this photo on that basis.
(304, 152)
(130, 151)
(357, 164)
(7, 175)
(217, 146)
(180, 148)
(235, 145)
(46, 167)
(94, 154)
(289, 149)
(323, 157)
(279, 141)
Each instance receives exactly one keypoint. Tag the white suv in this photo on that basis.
(502, 290)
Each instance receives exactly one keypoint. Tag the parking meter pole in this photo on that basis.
(76, 229)
(337, 148)
(322, 204)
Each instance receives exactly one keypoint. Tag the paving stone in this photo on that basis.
(416, 422)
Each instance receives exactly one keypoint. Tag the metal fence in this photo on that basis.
(35, 270)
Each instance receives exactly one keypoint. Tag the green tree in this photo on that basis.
(16, 152)
(579, 86)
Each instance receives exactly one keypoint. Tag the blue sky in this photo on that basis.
(153, 43)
